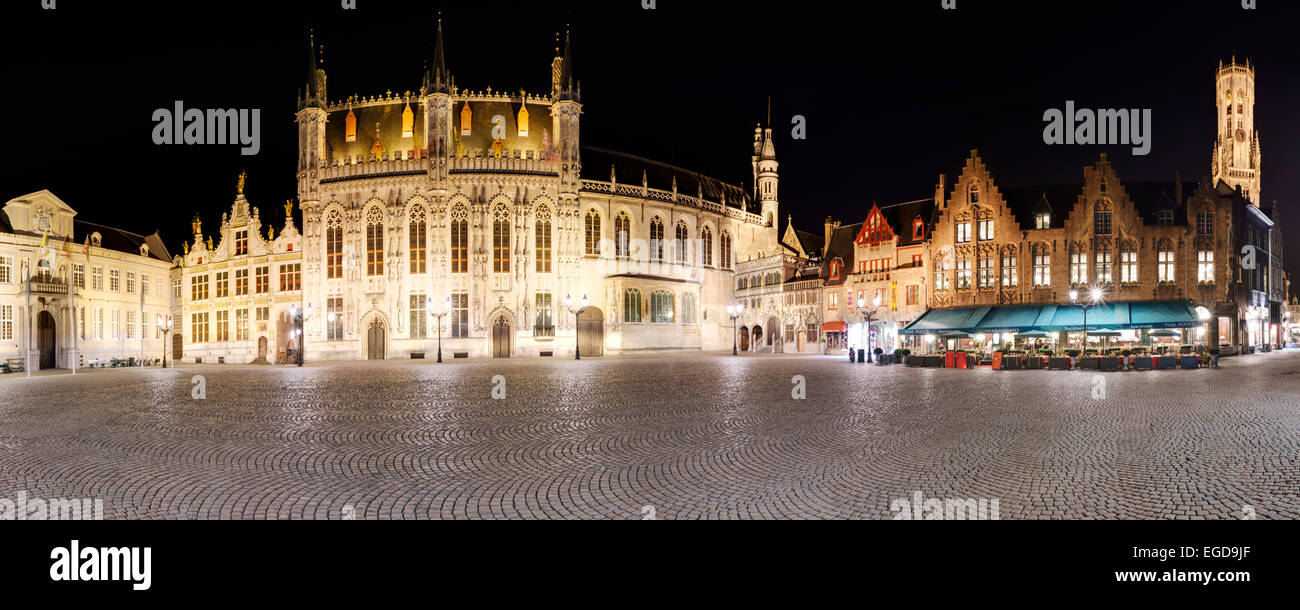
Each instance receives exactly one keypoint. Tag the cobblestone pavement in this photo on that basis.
(699, 436)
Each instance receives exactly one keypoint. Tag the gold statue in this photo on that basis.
(239, 186)
(187, 247)
(271, 230)
(210, 248)
(288, 207)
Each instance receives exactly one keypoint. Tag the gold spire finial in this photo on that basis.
(239, 186)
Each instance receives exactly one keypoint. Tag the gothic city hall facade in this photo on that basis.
(477, 220)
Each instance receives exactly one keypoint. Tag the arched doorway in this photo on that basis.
(45, 339)
(501, 338)
(375, 336)
(758, 336)
(744, 338)
(591, 332)
(774, 336)
(261, 348)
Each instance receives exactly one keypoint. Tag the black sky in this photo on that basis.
(894, 93)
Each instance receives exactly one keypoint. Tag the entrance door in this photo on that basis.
(501, 338)
(591, 332)
(178, 342)
(375, 340)
(744, 338)
(45, 339)
(261, 348)
(758, 337)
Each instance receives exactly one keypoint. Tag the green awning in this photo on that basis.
(959, 319)
(1055, 318)
(1167, 314)
(1011, 319)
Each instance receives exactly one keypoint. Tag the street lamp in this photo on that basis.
(446, 310)
(733, 312)
(165, 325)
(1095, 297)
(299, 323)
(568, 304)
(869, 317)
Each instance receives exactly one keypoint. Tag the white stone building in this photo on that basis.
(488, 200)
(236, 293)
(72, 290)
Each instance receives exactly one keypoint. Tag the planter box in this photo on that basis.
(1089, 362)
(1058, 364)
(1033, 362)
(1166, 362)
(1109, 363)
(1012, 363)
(1142, 363)
(1189, 362)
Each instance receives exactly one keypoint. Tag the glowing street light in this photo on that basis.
(733, 312)
(568, 304)
(165, 325)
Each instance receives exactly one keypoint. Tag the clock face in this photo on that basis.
(1241, 136)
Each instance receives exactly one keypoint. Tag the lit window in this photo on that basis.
(661, 307)
(1128, 267)
(1205, 266)
(656, 239)
(500, 238)
(1165, 265)
(986, 230)
(963, 232)
(416, 240)
(459, 239)
(1078, 268)
(622, 228)
(419, 316)
(683, 237)
(706, 247)
(632, 305)
(1103, 267)
(1043, 220)
(241, 242)
(543, 240)
(1010, 272)
(374, 242)
(725, 249)
(963, 273)
(544, 325)
(333, 245)
(459, 314)
(593, 233)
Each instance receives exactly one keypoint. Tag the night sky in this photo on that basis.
(895, 93)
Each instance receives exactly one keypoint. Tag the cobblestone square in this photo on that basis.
(689, 437)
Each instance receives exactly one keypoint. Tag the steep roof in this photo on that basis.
(596, 163)
(1148, 199)
(841, 247)
(900, 217)
(119, 240)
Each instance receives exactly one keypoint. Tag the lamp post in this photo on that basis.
(733, 312)
(869, 317)
(165, 325)
(299, 323)
(1095, 297)
(568, 304)
(446, 310)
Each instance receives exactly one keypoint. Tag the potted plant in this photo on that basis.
(878, 352)
(1073, 354)
(1126, 353)
(1214, 356)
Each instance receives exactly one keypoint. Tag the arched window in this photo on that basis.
(543, 239)
(1101, 218)
(417, 239)
(706, 247)
(725, 250)
(375, 241)
(622, 229)
(1078, 266)
(656, 239)
(631, 305)
(688, 308)
(459, 239)
(334, 245)
(661, 307)
(1205, 221)
(593, 233)
(1165, 263)
(501, 239)
(683, 237)
(974, 192)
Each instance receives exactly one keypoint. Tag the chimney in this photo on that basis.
(826, 234)
(940, 190)
(1178, 187)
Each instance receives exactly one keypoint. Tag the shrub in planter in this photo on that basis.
(1214, 356)
(1126, 353)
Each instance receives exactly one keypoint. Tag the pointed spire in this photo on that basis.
(437, 79)
(568, 89)
(313, 94)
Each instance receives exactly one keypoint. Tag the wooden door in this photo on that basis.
(501, 339)
(45, 339)
(375, 340)
(591, 332)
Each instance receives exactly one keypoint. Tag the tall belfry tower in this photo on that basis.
(1236, 148)
(766, 181)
